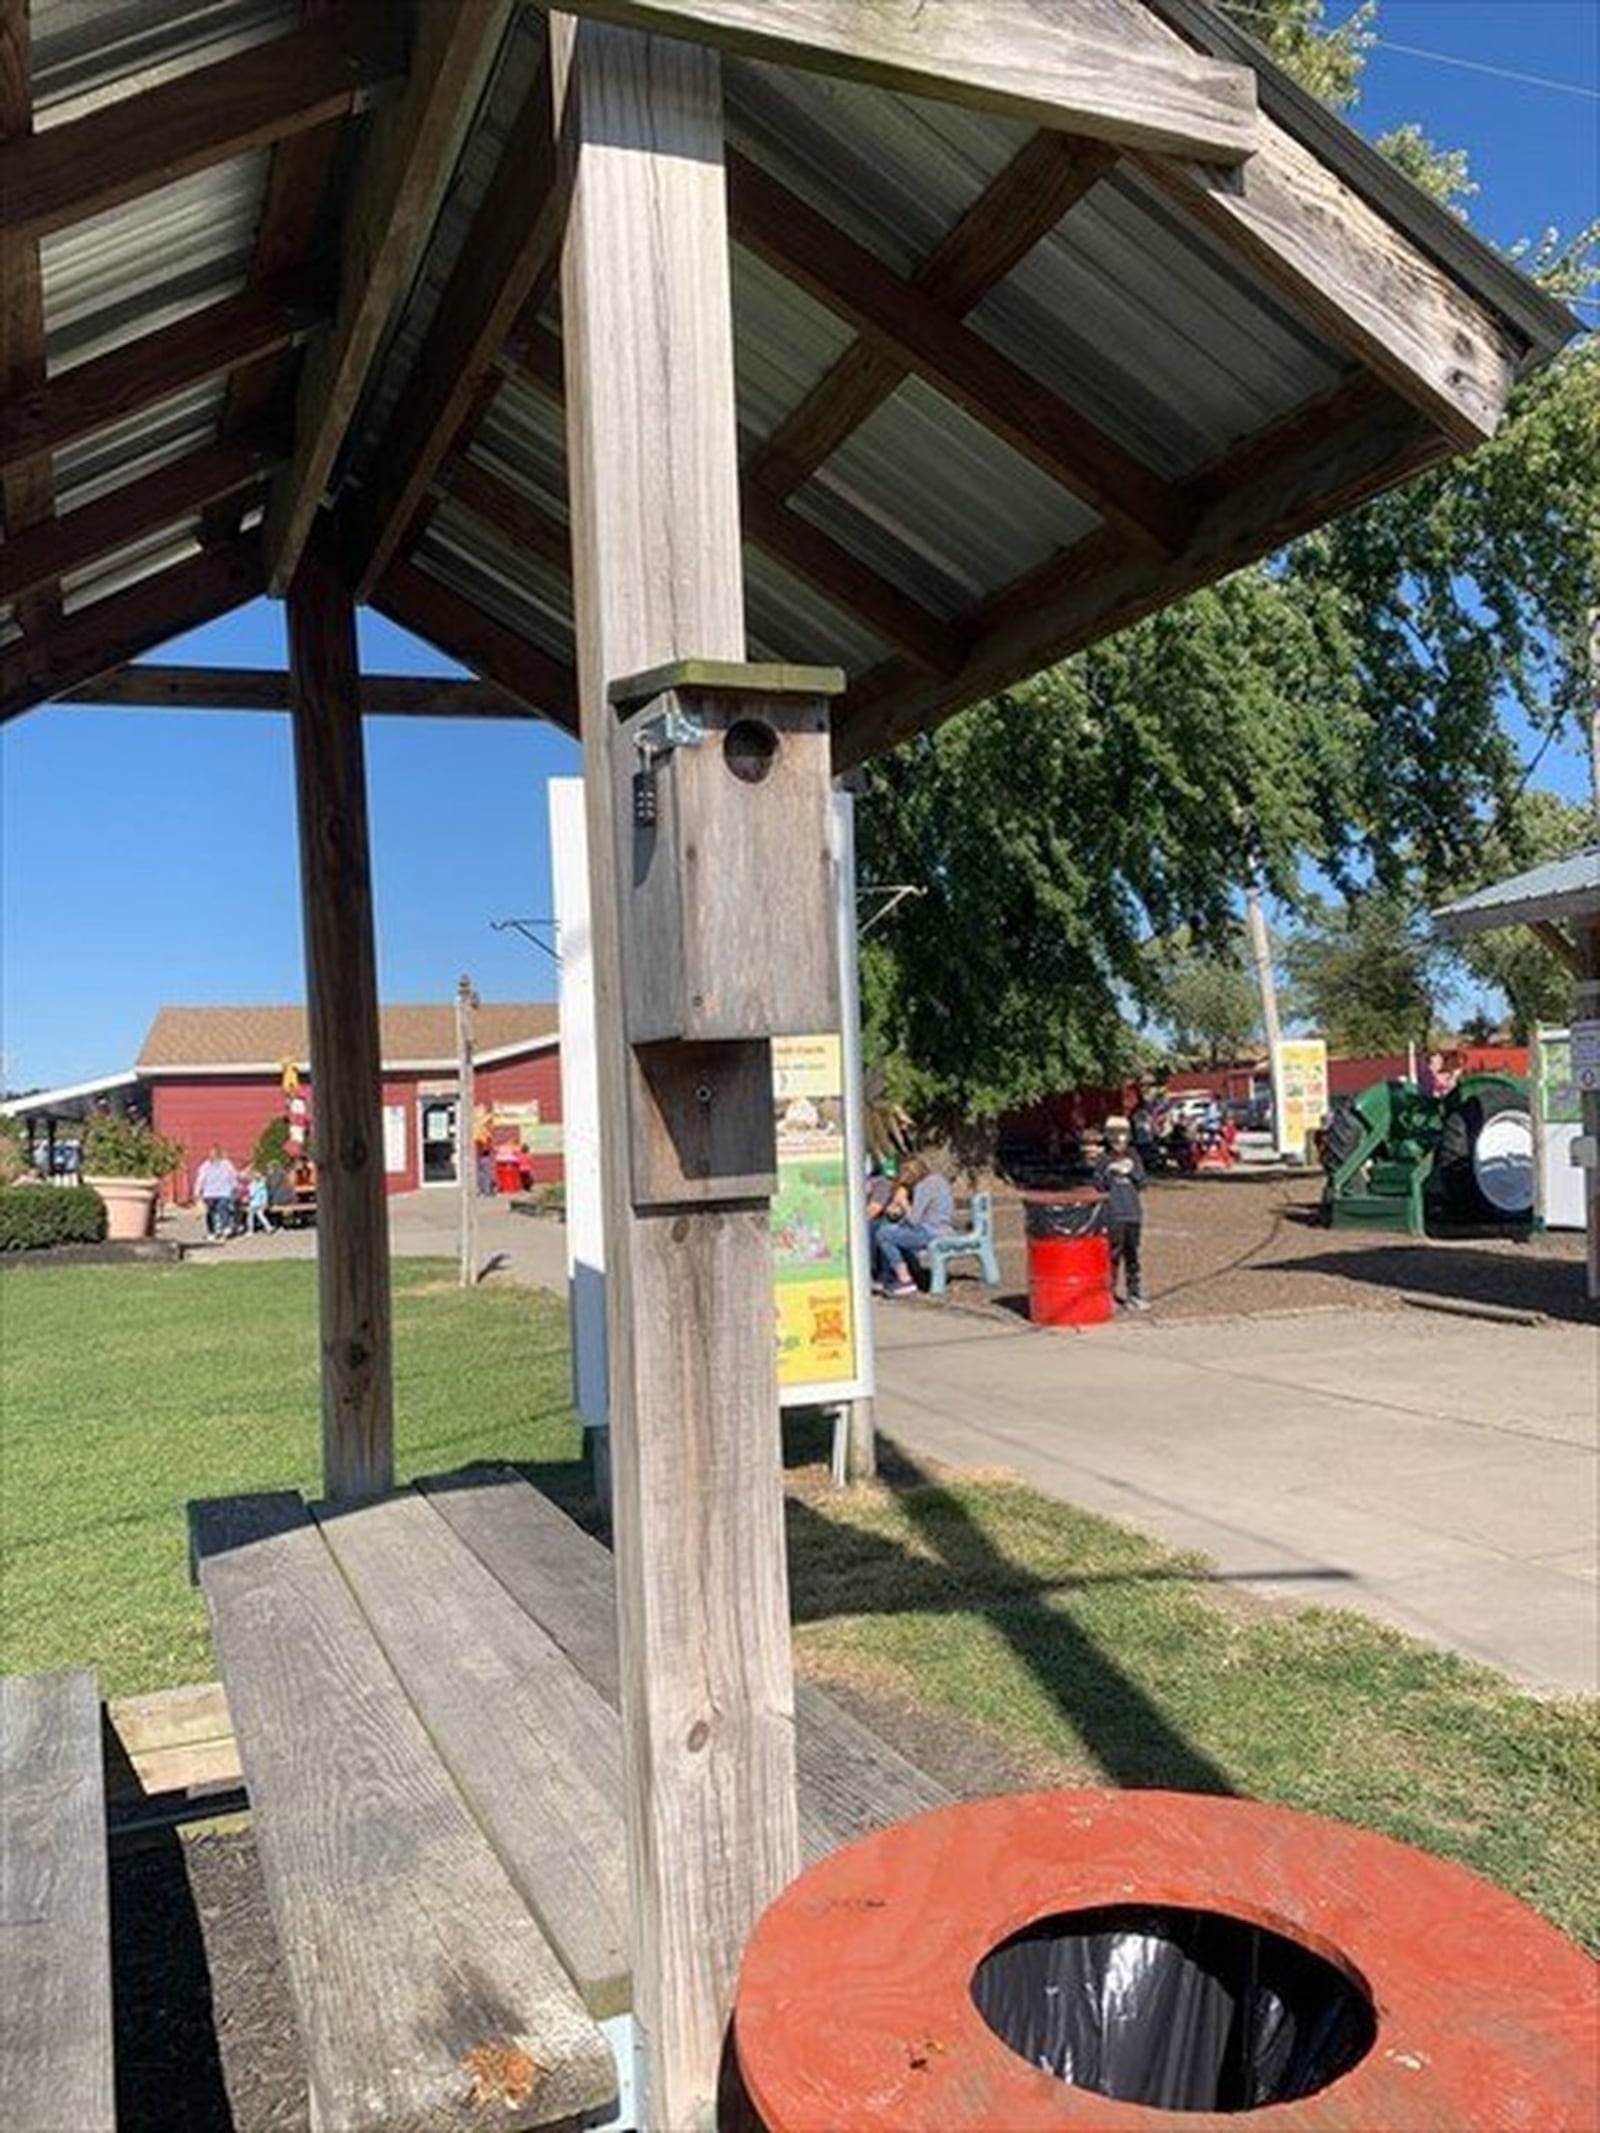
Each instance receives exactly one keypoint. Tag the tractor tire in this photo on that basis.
(1483, 1171)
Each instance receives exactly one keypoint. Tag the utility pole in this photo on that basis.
(1272, 1028)
(466, 1137)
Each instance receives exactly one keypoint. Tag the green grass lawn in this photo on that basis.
(124, 1391)
(1091, 1653)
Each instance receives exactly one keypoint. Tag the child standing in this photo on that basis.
(1120, 1176)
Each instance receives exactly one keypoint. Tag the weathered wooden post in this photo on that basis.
(466, 1134)
(707, 789)
(342, 991)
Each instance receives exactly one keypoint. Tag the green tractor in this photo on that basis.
(1397, 1159)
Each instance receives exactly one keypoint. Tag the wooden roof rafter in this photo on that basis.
(1101, 68)
(109, 633)
(324, 70)
(509, 259)
(152, 687)
(386, 225)
(27, 488)
(1041, 184)
(930, 342)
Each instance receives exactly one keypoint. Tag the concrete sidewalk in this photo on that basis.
(1439, 1474)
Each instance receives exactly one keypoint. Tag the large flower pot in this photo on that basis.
(130, 1206)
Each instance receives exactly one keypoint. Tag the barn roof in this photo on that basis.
(260, 1039)
(1044, 315)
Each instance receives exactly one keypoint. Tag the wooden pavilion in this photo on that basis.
(637, 355)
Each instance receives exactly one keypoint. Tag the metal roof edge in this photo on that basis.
(1455, 245)
(69, 1092)
(492, 1055)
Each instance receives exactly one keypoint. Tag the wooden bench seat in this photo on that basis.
(427, 1997)
(453, 1643)
(56, 2065)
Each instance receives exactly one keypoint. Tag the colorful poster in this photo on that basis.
(812, 1217)
(1300, 1092)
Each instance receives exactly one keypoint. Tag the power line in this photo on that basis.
(1445, 59)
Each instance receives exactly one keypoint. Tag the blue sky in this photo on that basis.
(147, 858)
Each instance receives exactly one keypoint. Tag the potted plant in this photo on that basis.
(125, 1159)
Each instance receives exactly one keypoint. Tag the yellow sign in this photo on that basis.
(1300, 1091)
(813, 1278)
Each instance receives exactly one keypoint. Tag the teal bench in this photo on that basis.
(976, 1242)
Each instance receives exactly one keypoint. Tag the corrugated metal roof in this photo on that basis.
(1559, 889)
(1146, 327)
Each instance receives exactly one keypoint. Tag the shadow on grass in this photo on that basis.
(837, 1569)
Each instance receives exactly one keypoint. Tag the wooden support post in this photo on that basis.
(346, 1074)
(707, 1683)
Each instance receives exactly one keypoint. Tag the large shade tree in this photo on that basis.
(1342, 704)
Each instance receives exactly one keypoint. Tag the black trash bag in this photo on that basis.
(1064, 1218)
(1179, 2010)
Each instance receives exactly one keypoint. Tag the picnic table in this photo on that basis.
(425, 1693)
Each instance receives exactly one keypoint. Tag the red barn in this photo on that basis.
(216, 1074)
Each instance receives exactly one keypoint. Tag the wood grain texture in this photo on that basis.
(391, 205)
(109, 388)
(1100, 67)
(136, 143)
(112, 632)
(707, 1703)
(415, 1968)
(56, 2069)
(176, 492)
(850, 1780)
(510, 253)
(535, 1751)
(167, 688)
(934, 345)
(429, 608)
(1040, 184)
(342, 1001)
(1358, 278)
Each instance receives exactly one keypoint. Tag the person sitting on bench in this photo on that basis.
(922, 1208)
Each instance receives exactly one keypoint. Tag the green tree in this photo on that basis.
(1367, 973)
(1207, 1000)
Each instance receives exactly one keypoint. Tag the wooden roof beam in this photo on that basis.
(191, 688)
(1046, 178)
(429, 608)
(136, 143)
(508, 258)
(1359, 279)
(387, 224)
(44, 554)
(1323, 458)
(1106, 68)
(923, 336)
(27, 490)
(107, 389)
(803, 549)
(114, 631)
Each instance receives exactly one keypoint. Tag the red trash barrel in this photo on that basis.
(508, 1174)
(1069, 1264)
(1101, 1960)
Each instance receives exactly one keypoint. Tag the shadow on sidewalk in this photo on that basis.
(841, 1570)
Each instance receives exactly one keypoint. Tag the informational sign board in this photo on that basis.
(1558, 1114)
(1299, 1092)
(822, 1324)
(1585, 1042)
